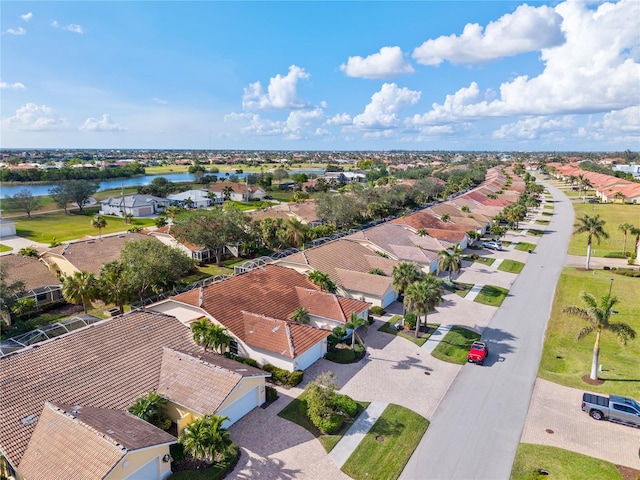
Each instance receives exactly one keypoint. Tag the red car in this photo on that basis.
(478, 352)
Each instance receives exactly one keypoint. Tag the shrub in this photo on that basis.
(271, 394)
(328, 425)
(377, 310)
(359, 351)
(346, 405)
(615, 255)
(333, 340)
(606, 268)
(410, 320)
(247, 361)
(284, 377)
(342, 355)
(176, 450)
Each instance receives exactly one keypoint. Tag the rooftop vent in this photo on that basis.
(29, 420)
(275, 329)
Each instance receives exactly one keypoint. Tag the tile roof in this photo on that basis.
(61, 448)
(194, 382)
(270, 291)
(270, 334)
(93, 367)
(91, 255)
(29, 270)
(364, 282)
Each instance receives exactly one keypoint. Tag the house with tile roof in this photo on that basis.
(136, 205)
(39, 282)
(194, 199)
(305, 212)
(257, 309)
(348, 264)
(108, 365)
(240, 192)
(87, 255)
(72, 441)
(401, 242)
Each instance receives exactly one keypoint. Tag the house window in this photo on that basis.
(233, 347)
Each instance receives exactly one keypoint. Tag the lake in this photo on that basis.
(42, 189)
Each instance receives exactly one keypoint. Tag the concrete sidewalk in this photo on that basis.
(345, 447)
(473, 293)
(435, 338)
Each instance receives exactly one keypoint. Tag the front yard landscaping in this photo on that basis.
(511, 266)
(5, 248)
(454, 347)
(525, 247)
(387, 447)
(543, 222)
(492, 295)
(560, 464)
(475, 258)
(389, 327)
(565, 361)
(535, 232)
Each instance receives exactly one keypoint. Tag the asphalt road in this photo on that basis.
(476, 429)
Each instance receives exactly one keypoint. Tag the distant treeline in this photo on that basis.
(66, 173)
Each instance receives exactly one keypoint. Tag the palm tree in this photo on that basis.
(112, 285)
(296, 232)
(200, 332)
(625, 228)
(403, 275)
(597, 314)
(150, 408)
(226, 192)
(322, 280)
(205, 438)
(445, 218)
(219, 337)
(450, 260)
(300, 315)
(422, 297)
(355, 322)
(99, 222)
(79, 288)
(593, 227)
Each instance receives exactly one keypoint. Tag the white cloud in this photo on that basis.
(281, 93)
(340, 119)
(14, 86)
(532, 128)
(104, 124)
(253, 123)
(381, 112)
(159, 101)
(527, 29)
(27, 16)
(72, 27)
(300, 120)
(626, 120)
(16, 31)
(593, 71)
(389, 62)
(34, 117)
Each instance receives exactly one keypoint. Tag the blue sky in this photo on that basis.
(420, 75)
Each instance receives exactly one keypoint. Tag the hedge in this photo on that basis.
(345, 404)
(271, 394)
(342, 355)
(284, 377)
(377, 310)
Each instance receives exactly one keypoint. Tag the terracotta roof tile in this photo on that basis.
(193, 382)
(268, 333)
(29, 270)
(106, 365)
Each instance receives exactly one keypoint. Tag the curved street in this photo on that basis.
(476, 429)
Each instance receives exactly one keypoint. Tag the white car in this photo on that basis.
(492, 245)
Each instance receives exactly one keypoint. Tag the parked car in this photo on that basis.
(478, 352)
(613, 408)
(492, 245)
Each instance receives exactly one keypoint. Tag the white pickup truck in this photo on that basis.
(614, 408)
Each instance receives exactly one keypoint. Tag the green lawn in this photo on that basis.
(547, 214)
(386, 448)
(217, 471)
(511, 266)
(492, 295)
(548, 207)
(389, 327)
(535, 232)
(561, 464)
(5, 248)
(484, 260)
(525, 246)
(543, 222)
(565, 360)
(454, 347)
(43, 228)
(614, 214)
(293, 413)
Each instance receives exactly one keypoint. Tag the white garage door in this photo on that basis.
(309, 357)
(150, 471)
(241, 407)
